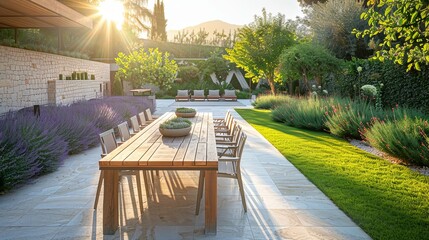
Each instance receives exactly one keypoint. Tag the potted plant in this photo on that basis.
(185, 112)
(175, 127)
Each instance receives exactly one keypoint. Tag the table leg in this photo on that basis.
(110, 202)
(211, 201)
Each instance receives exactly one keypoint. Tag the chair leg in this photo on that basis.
(240, 185)
(200, 191)
(146, 184)
(100, 183)
(139, 190)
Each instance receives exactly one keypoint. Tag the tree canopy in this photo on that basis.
(308, 61)
(332, 24)
(259, 45)
(403, 27)
(146, 67)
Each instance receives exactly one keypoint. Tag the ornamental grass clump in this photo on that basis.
(406, 139)
(176, 123)
(303, 113)
(185, 110)
(270, 101)
(349, 118)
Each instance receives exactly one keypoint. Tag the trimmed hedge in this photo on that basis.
(31, 146)
(401, 88)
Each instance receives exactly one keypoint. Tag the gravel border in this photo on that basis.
(364, 146)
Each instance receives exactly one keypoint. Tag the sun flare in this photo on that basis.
(112, 11)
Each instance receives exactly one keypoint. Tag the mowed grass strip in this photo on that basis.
(387, 201)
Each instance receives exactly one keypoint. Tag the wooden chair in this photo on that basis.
(213, 95)
(229, 167)
(230, 95)
(229, 139)
(108, 144)
(135, 126)
(124, 132)
(149, 116)
(142, 120)
(198, 95)
(182, 95)
(222, 121)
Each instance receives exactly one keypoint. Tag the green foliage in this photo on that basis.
(243, 94)
(407, 139)
(215, 64)
(388, 201)
(141, 67)
(185, 110)
(182, 50)
(188, 73)
(308, 61)
(176, 123)
(159, 23)
(350, 118)
(303, 113)
(332, 23)
(399, 87)
(369, 91)
(270, 101)
(259, 45)
(403, 27)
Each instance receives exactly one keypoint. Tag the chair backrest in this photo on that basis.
(236, 133)
(240, 148)
(213, 92)
(142, 118)
(199, 93)
(148, 114)
(124, 131)
(108, 142)
(135, 124)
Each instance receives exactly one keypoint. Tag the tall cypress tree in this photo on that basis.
(159, 22)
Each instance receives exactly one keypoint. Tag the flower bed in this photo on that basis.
(31, 146)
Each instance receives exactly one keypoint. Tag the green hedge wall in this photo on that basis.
(402, 88)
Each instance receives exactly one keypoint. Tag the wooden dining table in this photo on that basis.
(149, 150)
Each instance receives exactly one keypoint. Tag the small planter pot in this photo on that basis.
(186, 115)
(175, 132)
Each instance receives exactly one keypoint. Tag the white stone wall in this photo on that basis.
(69, 91)
(24, 76)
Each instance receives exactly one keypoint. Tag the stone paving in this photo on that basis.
(282, 203)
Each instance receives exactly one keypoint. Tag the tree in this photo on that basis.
(159, 23)
(215, 64)
(259, 46)
(403, 26)
(142, 67)
(332, 24)
(308, 61)
(137, 16)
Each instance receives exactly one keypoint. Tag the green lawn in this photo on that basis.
(387, 201)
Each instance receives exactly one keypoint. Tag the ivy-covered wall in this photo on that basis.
(399, 87)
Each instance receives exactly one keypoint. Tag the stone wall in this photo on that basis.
(24, 77)
(68, 91)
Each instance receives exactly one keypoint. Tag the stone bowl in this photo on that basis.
(181, 132)
(186, 115)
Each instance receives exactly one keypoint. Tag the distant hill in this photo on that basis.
(209, 27)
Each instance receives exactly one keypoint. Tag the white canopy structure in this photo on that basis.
(238, 74)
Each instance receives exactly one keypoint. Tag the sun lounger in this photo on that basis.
(198, 95)
(182, 95)
(213, 95)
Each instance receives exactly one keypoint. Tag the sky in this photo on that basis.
(186, 13)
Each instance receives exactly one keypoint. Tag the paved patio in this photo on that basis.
(282, 203)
